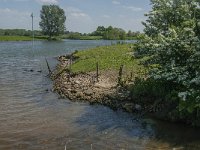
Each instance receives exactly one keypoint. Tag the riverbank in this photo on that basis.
(108, 75)
(21, 38)
(79, 81)
(111, 76)
(29, 38)
(89, 37)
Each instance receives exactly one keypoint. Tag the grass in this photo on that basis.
(21, 38)
(83, 37)
(108, 57)
(15, 38)
(131, 38)
(91, 38)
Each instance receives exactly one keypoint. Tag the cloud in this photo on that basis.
(75, 12)
(78, 20)
(122, 16)
(106, 16)
(11, 18)
(38, 1)
(21, 0)
(47, 1)
(133, 8)
(10, 12)
(14, 0)
(116, 2)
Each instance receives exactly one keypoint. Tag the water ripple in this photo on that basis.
(32, 117)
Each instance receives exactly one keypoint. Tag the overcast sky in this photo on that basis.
(82, 15)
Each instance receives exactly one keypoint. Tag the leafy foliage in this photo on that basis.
(52, 20)
(110, 33)
(18, 32)
(75, 36)
(171, 42)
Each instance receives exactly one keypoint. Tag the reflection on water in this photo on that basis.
(34, 118)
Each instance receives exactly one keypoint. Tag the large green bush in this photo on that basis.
(172, 48)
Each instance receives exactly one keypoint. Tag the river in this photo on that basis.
(34, 118)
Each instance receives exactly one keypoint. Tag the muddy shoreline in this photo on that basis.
(106, 91)
(85, 87)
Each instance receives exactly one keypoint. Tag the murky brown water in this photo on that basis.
(32, 118)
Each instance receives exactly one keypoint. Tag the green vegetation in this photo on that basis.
(101, 33)
(72, 36)
(171, 46)
(52, 20)
(87, 37)
(110, 33)
(20, 38)
(108, 57)
(79, 36)
(15, 38)
(20, 35)
(19, 32)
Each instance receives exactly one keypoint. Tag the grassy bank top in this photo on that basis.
(108, 57)
(21, 38)
(15, 38)
(29, 38)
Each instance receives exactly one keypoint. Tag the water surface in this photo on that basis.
(34, 118)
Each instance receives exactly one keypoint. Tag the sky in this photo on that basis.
(82, 15)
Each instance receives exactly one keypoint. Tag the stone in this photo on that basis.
(89, 92)
(138, 107)
(73, 91)
(129, 107)
(77, 82)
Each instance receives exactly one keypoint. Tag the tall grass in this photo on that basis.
(108, 57)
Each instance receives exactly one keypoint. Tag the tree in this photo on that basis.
(74, 35)
(171, 44)
(100, 31)
(129, 34)
(110, 33)
(52, 20)
(122, 34)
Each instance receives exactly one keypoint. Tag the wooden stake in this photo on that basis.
(70, 68)
(49, 69)
(131, 75)
(120, 74)
(97, 73)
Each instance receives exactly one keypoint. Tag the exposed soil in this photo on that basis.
(106, 91)
(86, 87)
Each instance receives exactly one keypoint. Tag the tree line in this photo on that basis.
(109, 33)
(52, 25)
(19, 32)
(113, 33)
